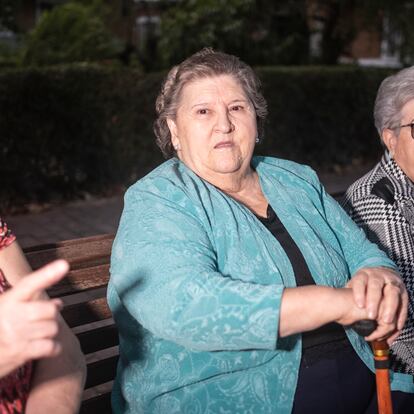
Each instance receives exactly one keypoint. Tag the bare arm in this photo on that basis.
(309, 307)
(13, 263)
(58, 380)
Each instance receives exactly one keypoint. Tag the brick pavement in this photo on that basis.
(70, 221)
(92, 217)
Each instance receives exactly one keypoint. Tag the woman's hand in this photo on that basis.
(382, 293)
(29, 325)
(374, 293)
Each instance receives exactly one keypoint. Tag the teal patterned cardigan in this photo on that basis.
(196, 285)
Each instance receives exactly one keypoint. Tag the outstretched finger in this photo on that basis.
(402, 315)
(381, 333)
(42, 310)
(391, 302)
(374, 296)
(43, 330)
(36, 282)
(392, 338)
(358, 284)
(44, 348)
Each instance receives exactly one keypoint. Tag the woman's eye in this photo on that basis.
(202, 111)
(236, 108)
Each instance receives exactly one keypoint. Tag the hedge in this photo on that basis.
(67, 131)
(322, 116)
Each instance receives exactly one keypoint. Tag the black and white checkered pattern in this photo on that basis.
(391, 226)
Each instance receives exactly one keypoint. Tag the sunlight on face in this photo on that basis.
(215, 127)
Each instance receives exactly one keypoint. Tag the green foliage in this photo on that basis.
(9, 55)
(67, 131)
(70, 130)
(9, 41)
(72, 32)
(322, 116)
(192, 24)
(262, 31)
(8, 11)
(277, 33)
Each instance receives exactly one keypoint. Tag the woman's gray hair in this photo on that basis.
(204, 64)
(394, 92)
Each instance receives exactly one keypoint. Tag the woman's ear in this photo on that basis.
(172, 126)
(390, 140)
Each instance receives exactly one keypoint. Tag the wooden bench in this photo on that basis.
(85, 310)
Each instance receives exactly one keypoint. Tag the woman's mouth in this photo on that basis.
(224, 144)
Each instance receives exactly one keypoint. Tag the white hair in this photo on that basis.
(394, 92)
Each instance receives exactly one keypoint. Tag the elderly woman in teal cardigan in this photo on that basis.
(234, 278)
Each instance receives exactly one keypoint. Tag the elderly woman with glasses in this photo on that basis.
(382, 201)
(234, 278)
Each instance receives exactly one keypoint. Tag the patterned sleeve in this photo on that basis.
(169, 282)
(359, 250)
(382, 223)
(6, 236)
(385, 225)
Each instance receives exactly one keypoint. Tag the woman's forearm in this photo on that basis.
(57, 383)
(309, 307)
(13, 263)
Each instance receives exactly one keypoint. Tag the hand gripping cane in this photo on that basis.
(381, 362)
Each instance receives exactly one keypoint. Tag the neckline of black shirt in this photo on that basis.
(328, 339)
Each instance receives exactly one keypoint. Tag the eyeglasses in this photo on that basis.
(411, 125)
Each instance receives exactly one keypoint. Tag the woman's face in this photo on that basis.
(215, 127)
(401, 146)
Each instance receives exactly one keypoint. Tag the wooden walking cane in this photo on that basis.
(381, 363)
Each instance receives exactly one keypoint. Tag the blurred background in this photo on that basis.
(78, 81)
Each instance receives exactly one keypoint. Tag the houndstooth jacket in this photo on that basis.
(382, 203)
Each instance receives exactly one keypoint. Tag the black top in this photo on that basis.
(327, 339)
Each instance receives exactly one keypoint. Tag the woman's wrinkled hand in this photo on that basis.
(381, 292)
(28, 324)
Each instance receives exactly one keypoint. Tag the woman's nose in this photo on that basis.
(224, 123)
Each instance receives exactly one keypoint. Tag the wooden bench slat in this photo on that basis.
(99, 338)
(68, 243)
(87, 312)
(93, 325)
(100, 389)
(100, 404)
(102, 354)
(81, 280)
(80, 253)
(101, 371)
